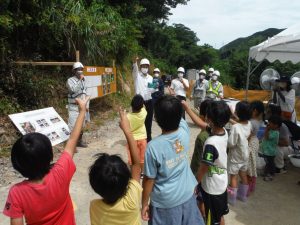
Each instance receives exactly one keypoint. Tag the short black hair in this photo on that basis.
(258, 106)
(137, 103)
(109, 177)
(203, 107)
(31, 155)
(242, 110)
(168, 112)
(274, 109)
(218, 112)
(275, 119)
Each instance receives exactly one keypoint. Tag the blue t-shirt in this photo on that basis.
(167, 161)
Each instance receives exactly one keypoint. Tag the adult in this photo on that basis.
(199, 89)
(209, 74)
(214, 88)
(179, 87)
(284, 96)
(158, 84)
(76, 89)
(143, 85)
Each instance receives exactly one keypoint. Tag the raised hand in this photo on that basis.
(82, 103)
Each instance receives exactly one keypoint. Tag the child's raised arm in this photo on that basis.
(196, 119)
(125, 126)
(72, 142)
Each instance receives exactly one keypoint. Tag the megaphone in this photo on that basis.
(267, 79)
(295, 81)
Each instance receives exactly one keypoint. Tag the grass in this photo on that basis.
(5, 152)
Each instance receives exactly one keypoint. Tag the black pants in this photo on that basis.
(149, 117)
(270, 165)
(182, 98)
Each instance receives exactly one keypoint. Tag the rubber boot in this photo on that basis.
(232, 193)
(81, 143)
(242, 192)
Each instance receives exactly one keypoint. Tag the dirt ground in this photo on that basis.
(273, 203)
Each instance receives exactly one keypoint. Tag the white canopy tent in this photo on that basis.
(284, 47)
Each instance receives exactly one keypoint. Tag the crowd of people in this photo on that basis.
(173, 191)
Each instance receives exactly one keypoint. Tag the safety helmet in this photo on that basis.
(216, 72)
(145, 62)
(202, 71)
(211, 69)
(77, 65)
(156, 70)
(181, 69)
(295, 80)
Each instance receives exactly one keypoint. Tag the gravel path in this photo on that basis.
(274, 203)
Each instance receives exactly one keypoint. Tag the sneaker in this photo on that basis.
(281, 171)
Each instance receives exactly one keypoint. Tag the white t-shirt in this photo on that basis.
(178, 87)
(215, 181)
(238, 143)
(142, 84)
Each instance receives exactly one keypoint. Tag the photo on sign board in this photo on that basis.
(27, 127)
(66, 132)
(54, 119)
(44, 122)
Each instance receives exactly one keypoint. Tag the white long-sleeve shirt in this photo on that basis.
(143, 85)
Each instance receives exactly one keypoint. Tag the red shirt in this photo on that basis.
(48, 203)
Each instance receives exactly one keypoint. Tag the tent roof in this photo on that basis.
(284, 47)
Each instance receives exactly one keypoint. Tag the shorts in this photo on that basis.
(141, 146)
(184, 214)
(215, 206)
(234, 168)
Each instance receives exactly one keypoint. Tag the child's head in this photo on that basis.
(273, 110)
(31, 155)
(242, 110)
(168, 111)
(137, 103)
(218, 113)
(203, 107)
(109, 177)
(275, 122)
(257, 109)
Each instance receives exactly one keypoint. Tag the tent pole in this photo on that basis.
(248, 75)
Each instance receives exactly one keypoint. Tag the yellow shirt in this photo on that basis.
(137, 124)
(125, 211)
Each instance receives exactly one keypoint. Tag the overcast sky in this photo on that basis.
(218, 22)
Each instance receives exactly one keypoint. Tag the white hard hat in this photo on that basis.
(216, 72)
(145, 62)
(295, 80)
(211, 69)
(156, 70)
(181, 69)
(77, 65)
(202, 71)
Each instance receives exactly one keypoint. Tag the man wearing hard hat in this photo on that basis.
(158, 85)
(180, 86)
(143, 85)
(76, 89)
(210, 72)
(199, 89)
(214, 88)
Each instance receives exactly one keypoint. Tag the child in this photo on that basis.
(238, 153)
(121, 192)
(43, 198)
(257, 116)
(168, 177)
(269, 146)
(213, 170)
(198, 152)
(137, 126)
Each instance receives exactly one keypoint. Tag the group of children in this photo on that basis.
(173, 191)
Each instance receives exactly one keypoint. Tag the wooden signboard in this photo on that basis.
(100, 81)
